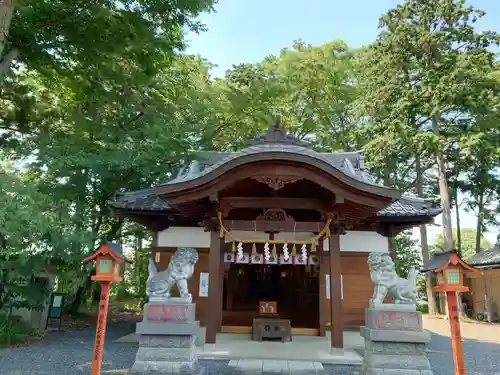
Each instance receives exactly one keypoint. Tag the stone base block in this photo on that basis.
(167, 341)
(168, 328)
(166, 368)
(388, 320)
(169, 311)
(163, 341)
(398, 358)
(395, 343)
(166, 355)
(395, 336)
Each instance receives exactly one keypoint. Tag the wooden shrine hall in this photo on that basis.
(282, 231)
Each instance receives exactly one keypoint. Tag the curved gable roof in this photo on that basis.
(338, 165)
(275, 144)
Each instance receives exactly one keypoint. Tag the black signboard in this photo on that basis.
(56, 308)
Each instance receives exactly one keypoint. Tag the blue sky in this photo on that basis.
(248, 30)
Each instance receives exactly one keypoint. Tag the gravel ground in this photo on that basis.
(481, 358)
(69, 353)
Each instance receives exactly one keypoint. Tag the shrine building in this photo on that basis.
(281, 230)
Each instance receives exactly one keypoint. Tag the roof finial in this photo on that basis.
(277, 134)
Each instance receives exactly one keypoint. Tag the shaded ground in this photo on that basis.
(69, 352)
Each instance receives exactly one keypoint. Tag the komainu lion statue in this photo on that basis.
(179, 271)
(385, 280)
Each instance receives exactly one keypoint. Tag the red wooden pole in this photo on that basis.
(456, 337)
(101, 328)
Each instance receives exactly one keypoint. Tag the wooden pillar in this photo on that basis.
(214, 308)
(323, 302)
(336, 318)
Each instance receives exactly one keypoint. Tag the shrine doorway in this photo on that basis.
(295, 289)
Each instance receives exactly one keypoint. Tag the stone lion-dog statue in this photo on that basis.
(179, 271)
(385, 280)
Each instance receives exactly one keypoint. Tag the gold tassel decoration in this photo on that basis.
(274, 250)
(221, 234)
(254, 249)
(294, 251)
(327, 231)
(313, 247)
(233, 247)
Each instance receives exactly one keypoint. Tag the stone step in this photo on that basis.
(275, 367)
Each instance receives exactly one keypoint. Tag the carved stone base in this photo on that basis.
(393, 307)
(167, 341)
(395, 343)
(170, 300)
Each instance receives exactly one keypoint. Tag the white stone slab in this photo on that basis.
(271, 366)
(394, 307)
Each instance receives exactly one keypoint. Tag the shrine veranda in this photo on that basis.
(276, 223)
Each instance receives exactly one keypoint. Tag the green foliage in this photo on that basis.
(423, 308)
(406, 254)
(310, 87)
(468, 240)
(34, 235)
(14, 331)
(96, 97)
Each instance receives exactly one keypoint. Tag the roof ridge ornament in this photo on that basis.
(277, 134)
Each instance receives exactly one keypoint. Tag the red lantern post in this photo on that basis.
(449, 270)
(108, 257)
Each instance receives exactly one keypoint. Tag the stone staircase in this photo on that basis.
(274, 367)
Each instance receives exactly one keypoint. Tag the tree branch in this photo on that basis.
(7, 60)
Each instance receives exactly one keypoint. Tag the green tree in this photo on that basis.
(468, 236)
(35, 233)
(406, 254)
(312, 88)
(420, 79)
(95, 98)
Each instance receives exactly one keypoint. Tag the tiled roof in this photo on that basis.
(141, 200)
(149, 201)
(410, 206)
(350, 163)
(437, 261)
(489, 257)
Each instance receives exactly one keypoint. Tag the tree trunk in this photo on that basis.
(431, 299)
(443, 192)
(479, 224)
(457, 215)
(137, 269)
(80, 296)
(6, 12)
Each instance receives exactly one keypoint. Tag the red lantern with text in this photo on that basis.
(109, 260)
(449, 269)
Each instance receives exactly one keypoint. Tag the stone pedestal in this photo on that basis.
(395, 343)
(167, 337)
